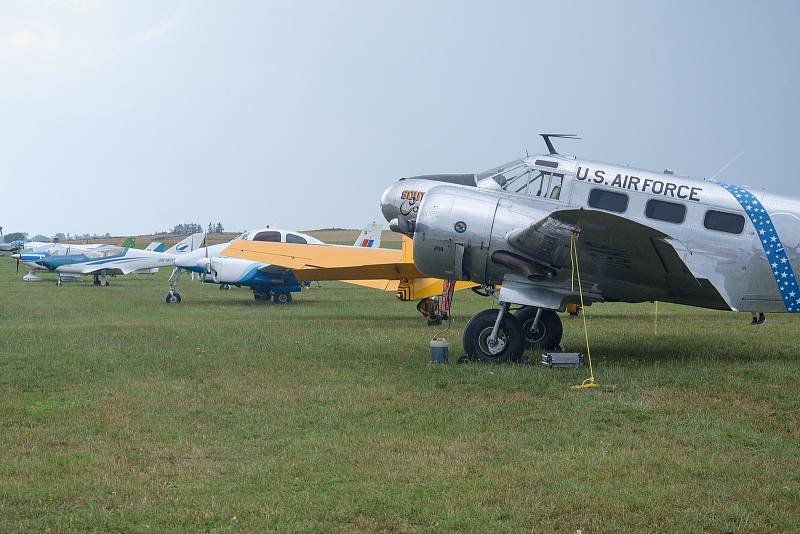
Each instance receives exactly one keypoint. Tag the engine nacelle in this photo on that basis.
(222, 270)
(461, 234)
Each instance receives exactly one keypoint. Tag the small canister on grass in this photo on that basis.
(439, 350)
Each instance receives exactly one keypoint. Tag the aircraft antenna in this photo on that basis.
(731, 162)
(549, 143)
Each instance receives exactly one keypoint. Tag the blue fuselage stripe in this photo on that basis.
(773, 247)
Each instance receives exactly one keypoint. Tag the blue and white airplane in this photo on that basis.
(266, 281)
(68, 260)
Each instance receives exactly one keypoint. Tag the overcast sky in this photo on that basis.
(130, 117)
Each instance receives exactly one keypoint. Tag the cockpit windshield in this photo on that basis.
(505, 173)
(521, 176)
(104, 252)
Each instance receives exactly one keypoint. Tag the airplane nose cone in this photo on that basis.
(389, 203)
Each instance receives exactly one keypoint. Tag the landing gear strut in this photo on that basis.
(173, 297)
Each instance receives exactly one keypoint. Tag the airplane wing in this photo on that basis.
(326, 262)
(626, 254)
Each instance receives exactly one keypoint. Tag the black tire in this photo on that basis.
(548, 333)
(282, 298)
(173, 297)
(262, 295)
(479, 328)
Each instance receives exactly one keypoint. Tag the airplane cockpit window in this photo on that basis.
(545, 184)
(520, 177)
(104, 252)
(270, 236)
(294, 238)
(506, 174)
(59, 251)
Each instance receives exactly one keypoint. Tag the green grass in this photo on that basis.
(121, 413)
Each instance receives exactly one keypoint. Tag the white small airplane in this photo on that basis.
(112, 260)
(265, 280)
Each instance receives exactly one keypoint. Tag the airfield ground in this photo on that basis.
(119, 412)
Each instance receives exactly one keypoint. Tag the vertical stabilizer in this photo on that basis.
(370, 236)
(189, 244)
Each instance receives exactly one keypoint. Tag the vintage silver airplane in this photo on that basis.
(641, 236)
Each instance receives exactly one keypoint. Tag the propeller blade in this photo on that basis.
(17, 265)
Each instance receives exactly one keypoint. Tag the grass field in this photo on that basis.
(121, 413)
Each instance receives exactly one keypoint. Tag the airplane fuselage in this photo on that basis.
(739, 244)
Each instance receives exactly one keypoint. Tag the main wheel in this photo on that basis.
(96, 281)
(173, 297)
(262, 295)
(510, 342)
(548, 332)
(282, 298)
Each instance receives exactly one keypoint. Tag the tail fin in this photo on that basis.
(129, 243)
(370, 236)
(191, 243)
(155, 246)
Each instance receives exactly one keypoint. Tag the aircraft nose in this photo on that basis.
(390, 203)
(16, 256)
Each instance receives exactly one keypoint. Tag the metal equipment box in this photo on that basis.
(562, 359)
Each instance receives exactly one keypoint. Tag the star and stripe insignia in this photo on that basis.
(771, 243)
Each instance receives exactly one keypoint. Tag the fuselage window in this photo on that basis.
(271, 236)
(722, 221)
(294, 238)
(608, 200)
(665, 211)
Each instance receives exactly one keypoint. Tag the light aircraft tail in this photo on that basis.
(155, 246)
(191, 243)
(129, 243)
(370, 236)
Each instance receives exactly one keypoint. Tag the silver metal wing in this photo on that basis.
(619, 260)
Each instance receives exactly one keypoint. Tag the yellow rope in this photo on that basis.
(576, 273)
(655, 321)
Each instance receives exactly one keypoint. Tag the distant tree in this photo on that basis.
(186, 228)
(59, 237)
(16, 236)
(41, 238)
(219, 229)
